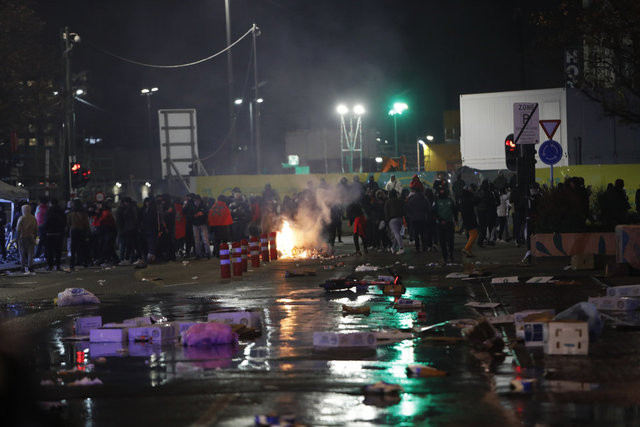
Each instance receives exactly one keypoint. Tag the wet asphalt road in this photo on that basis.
(144, 384)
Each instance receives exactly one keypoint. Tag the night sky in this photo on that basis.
(311, 55)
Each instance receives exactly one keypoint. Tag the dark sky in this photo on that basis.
(311, 55)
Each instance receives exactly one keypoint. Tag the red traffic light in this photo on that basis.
(510, 145)
(75, 167)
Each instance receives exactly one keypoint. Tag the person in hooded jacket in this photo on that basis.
(26, 229)
(54, 226)
(417, 210)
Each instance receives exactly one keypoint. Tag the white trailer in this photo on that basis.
(487, 118)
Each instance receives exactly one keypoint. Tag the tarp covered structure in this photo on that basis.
(9, 192)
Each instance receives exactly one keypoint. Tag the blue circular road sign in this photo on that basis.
(550, 152)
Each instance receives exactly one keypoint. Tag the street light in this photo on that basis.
(398, 108)
(148, 92)
(424, 147)
(350, 139)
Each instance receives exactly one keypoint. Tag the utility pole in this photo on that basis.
(256, 33)
(68, 105)
(232, 129)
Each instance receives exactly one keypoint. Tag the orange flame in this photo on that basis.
(288, 241)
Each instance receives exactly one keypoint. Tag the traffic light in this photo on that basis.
(511, 153)
(86, 176)
(76, 177)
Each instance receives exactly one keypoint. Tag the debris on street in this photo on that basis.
(76, 296)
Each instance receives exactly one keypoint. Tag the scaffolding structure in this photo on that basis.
(350, 142)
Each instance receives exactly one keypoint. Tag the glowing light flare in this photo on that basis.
(288, 243)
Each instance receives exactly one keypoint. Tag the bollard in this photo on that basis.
(236, 259)
(243, 246)
(254, 252)
(225, 263)
(264, 248)
(273, 250)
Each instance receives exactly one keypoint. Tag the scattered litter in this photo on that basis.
(396, 289)
(411, 267)
(510, 279)
(382, 387)
(161, 333)
(194, 278)
(76, 296)
(624, 291)
(82, 325)
(101, 282)
(484, 337)
(275, 420)
(346, 339)
(48, 406)
(408, 304)
(456, 276)
(298, 273)
(614, 303)
(434, 264)
(386, 278)
(364, 309)
(502, 319)
(424, 371)
(563, 386)
(185, 263)
(86, 381)
(523, 385)
(540, 279)
(568, 267)
(112, 334)
(477, 304)
(205, 334)
(366, 267)
(391, 335)
(250, 319)
(586, 312)
(340, 264)
(531, 316)
(568, 337)
(151, 279)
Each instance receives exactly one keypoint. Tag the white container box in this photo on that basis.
(336, 340)
(567, 337)
(181, 326)
(109, 334)
(614, 303)
(520, 317)
(535, 333)
(156, 334)
(624, 291)
(246, 318)
(83, 325)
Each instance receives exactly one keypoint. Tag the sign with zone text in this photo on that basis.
(525, 123)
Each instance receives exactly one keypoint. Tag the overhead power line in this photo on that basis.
(189, 64)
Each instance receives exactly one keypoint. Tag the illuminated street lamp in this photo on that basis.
(398, 108)
(351, 138)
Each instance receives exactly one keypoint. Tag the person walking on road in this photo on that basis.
(446, 214)
(468, 202)
(393, 184)
(26, 228)
(394, 213)
(54, 225)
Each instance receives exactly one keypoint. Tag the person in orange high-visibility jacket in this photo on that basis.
(220, 222)
(181, 227)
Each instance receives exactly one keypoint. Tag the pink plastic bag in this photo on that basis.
(212, 333)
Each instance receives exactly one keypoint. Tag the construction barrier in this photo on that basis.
(254, 252)
(273, 250)
(264, 248)
(237, 259)
(243, 246)
(225, 262)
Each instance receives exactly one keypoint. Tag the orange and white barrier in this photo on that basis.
(237, 259)
(264, 248)
(243, 247)
(273, 249)
(254, 252)
(225, 262)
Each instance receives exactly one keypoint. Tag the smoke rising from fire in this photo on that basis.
(314, 211)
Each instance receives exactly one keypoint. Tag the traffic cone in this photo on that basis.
(237, 259)
(243, 246)
(273, 250)
(264, 248)
(254, 252)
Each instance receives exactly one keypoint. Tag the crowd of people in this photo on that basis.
(164, 228)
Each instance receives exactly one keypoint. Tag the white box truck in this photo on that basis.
(487, 118)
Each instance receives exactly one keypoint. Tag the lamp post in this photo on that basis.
(68, 40)
(351, 139)
(424, 149)
(398, 108)
(148, 92)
